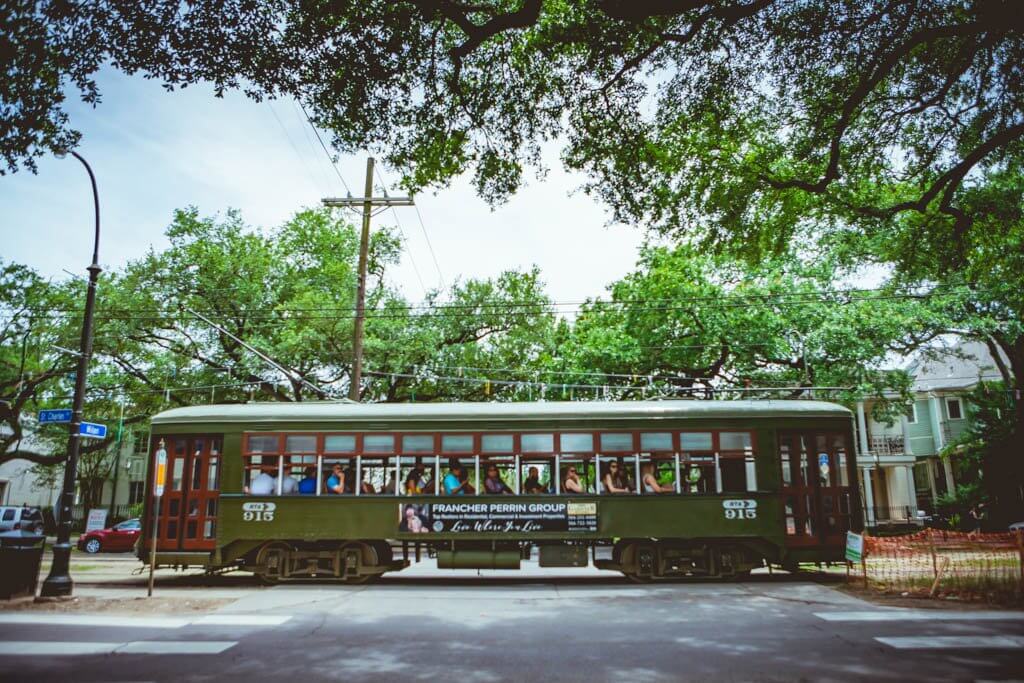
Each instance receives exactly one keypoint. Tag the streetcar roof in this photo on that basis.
(356, 413)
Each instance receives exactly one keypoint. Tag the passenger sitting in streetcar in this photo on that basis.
(453, 483)
(265, 483)
(571, 483)
(532, 482)
(650, 480)
(288, 484)
(493, 483)
(415, 480)
(307, 486)
(614, 480)
(336, 482)
(365, 487)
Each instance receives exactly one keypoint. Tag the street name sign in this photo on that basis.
(92, 431)
(55, 415)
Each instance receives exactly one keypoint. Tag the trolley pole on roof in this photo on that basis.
(367, 202)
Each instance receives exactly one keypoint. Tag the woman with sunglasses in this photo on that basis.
(493, 483)
(614, 480)
(571, 482)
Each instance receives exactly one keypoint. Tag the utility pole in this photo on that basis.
(368, 202)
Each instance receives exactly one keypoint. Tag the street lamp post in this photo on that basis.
(58, 583)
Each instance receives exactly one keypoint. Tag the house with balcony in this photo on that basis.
(901, 470)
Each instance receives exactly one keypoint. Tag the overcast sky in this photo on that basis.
(154, 151)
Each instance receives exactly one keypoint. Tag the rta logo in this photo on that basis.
(258, 512)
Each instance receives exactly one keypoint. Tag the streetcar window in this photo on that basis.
(299, 474)
(737, 441)
(261, 443)
(577, 443)
(695, 441)
(418, 443)
(498, 476)
(340, 443)
(259, 476)
(496, 443)
(538, 443)
(616, 443)
(843, 475)
(338, 476)
(698, 472)
(378, 443)
(536, 477)
(456, 443)
(574, 477)
(734, 475)
(305, 443)
(656, 441)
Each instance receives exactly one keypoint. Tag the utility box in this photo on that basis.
(564, 556)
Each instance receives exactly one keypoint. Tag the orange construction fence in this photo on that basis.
(936, 562)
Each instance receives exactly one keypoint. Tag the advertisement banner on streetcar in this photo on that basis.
(498, 517)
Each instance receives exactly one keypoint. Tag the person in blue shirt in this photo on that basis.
(453, 484)
(336, 482)
(308, 484)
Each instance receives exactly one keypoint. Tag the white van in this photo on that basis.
(13, 518)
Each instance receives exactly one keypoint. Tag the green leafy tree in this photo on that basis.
(736, 114)
(689, 322)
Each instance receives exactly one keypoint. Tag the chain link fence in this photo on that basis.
(934, 562)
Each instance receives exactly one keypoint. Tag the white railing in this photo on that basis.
(887, 445)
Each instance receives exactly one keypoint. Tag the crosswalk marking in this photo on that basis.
(241, 620)
(51, 619)
(175, 647)
(952, 642)
(54, 648)
(91, 620)
(28, 648)
(920, 615)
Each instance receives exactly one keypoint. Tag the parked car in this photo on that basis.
(13, 518)
(117, 539)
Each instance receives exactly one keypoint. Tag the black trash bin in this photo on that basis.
(20, 555)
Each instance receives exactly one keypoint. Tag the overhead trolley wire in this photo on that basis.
(477, 309)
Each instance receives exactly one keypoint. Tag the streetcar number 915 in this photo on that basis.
(740, 509)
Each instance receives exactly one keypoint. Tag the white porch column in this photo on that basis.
(911, 490)
(936, 411)
(905, 429)
(869, 497)
(862, 430)
(947, 469)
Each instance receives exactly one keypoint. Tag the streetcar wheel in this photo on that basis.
(368, 558)
(272, 561)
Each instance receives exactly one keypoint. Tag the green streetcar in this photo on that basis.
(653, 489)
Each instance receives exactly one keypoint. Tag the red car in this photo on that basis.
(117, 539)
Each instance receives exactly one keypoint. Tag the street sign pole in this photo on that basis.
(159, 477)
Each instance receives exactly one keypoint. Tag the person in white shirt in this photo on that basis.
(265, 483)
(289, 485)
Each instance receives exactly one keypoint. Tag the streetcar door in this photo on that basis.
(199, 526)
(815, 488)
(169, 523)
(188, 508)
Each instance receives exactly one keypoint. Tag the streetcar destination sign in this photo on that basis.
(92, 430)
(55, 415)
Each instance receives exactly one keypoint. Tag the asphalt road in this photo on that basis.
(583, 626)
